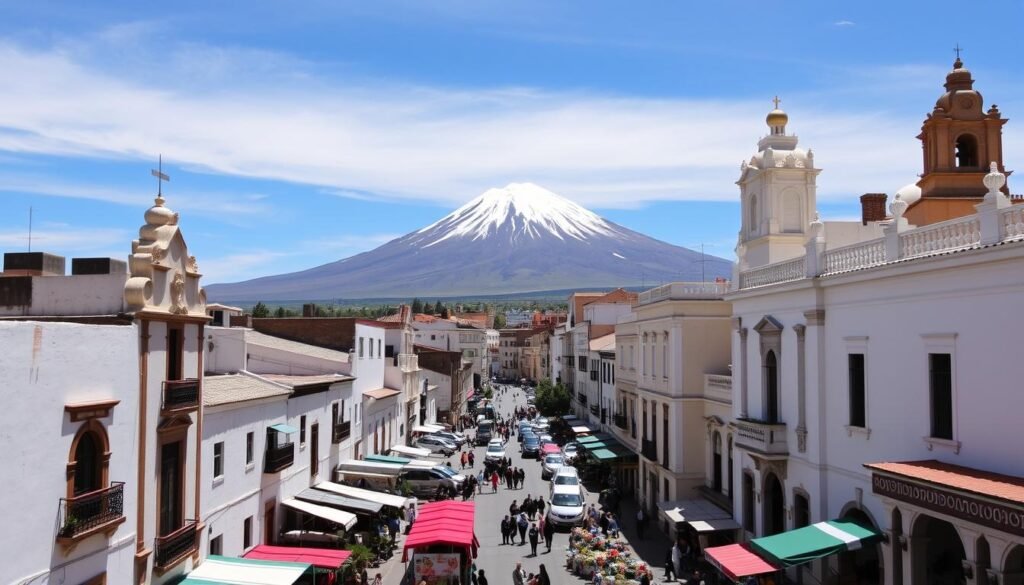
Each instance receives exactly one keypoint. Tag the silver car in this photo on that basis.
(551, 465)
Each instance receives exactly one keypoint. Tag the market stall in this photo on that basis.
(407, 451)
(391, 500)
(325, 561)
(442, 542)
(591, 554)
(737, 561)
(217, 570)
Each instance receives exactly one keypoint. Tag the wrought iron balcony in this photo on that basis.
(620, 421)
(91, 512)
(279, 457)
(176, 546)
(583, 398)
(342, 431)
(649, 449)
(181, 395)
(761, 436)
(594, 409)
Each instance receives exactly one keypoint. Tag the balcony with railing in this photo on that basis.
(683, 291)
(279, 457)
(582, 398)
(595, 409)
(649, 449)
(620, 421)
(90, 513)
(342, 430)
(181, 395)
(718, 387)
(174, 547)
(763, 437)
(408, 362)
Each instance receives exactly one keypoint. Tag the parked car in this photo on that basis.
(484, 431)
(435, 444)
(566, 506)
(495, 450)
(530, 446)
(570, 451)
(565, 475)
(425, 481)
(454, 438)
(552, 463)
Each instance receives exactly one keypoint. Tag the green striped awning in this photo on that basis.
(388, 459)
(218, 570)
(604, 455)
(814, 542)
(283, 428)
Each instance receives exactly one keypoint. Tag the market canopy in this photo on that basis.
(346, 519)
(736, 561)
(443, 523)
(333, 500)
(361, 494)
(407, 451)
(604, 455)
(814, 542)
(427, 429)
(218, 570)
(582, 429)
(323, 558)
(387, 459)
(699, 513)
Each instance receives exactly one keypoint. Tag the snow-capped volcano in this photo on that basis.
(520, 210)
(520, 238)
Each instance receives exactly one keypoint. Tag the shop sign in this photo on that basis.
(1003, 518)
(436, 567)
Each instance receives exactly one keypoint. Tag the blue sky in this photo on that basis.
(297, 134)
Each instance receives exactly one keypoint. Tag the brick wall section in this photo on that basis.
(332, 333)
(872, 206)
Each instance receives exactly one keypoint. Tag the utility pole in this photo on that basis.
(29, 228)
(702, 279)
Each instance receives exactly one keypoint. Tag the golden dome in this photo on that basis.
(776, 117)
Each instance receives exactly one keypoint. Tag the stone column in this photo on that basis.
(737, 324)
(801, 389)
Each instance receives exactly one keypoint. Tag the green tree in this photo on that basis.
(417, 306)
(280, 312)
(499, 321)
(438, 307)
(552, 399)
(260, 311)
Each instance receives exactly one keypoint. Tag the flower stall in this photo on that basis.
(603, 559)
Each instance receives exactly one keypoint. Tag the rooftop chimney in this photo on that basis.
(309, 310)
(98, 266)
(33, 264)
(872, 207)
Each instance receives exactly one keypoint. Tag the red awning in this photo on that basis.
(469, 394)
(736, 561)
(446, 523)
(323, 558)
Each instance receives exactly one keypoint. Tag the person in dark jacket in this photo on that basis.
(522, 524)
(534, 539)
(504, 530)
(670, 565)
(480, 579)
(540, 505)
(549, 533)
(542, 577)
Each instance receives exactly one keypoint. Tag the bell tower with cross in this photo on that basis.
(959, 139)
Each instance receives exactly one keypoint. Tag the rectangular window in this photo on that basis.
(218, 459)
(249, 443)
(371, 348)
(216, 545)
(247, 533)
(360, 347)
(940, 376)
(302, 430)
(858, 413)
(379, 354)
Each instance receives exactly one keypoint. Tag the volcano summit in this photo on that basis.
(521, 238)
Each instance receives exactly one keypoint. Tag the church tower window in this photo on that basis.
(753, 214)
(966, 151)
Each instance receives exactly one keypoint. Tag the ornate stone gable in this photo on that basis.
(164, 277)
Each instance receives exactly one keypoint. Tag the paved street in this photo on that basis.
(498, 560)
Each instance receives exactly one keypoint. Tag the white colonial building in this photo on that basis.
(874, 371)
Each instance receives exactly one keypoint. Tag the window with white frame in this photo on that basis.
(218, 460)
(941, 364)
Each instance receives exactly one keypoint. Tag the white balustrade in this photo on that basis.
(774, 273)
(862, 255)
(1013, 221)
(683, 290)
(949, 235)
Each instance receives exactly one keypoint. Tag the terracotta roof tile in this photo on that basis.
(380, 393)
(985, 483)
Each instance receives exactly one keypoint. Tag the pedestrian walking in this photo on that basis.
(519, 574)
(480, 577)
(521, 525)
(540, 526)
(534, 537)
(613, 525)
(472, 459)
(513, 509)
(494, 482)
(549, 534)
(410, 517)
(504, 530)
(670, 564)
(463, 459)
(528, 507)
(641, 519)
(540, 506)
(542, 577)
(508, 477)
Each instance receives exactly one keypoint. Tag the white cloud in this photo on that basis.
(844, 23)
(381, 141)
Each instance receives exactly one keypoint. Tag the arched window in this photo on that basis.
(729, 451)
(752, 221)
(771, 387)
(966, 151)
(717, 463)
(88, 455)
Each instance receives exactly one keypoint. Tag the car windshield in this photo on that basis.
(570, 448)
(494, 449)
(445, 470)
(554, 459)
(566, 480)
(566, 500)
(531, 440)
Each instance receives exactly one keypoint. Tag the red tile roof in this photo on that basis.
(380, 393)
(985, 483)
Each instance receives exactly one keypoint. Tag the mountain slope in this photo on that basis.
(517, 239)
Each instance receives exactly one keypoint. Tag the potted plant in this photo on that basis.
(68, 529)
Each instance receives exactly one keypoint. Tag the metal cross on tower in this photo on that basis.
(160, 176)
(777, 101)
(957, 49)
